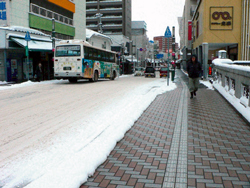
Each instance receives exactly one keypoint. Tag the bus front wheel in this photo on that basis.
(113, 76)
(95, 79)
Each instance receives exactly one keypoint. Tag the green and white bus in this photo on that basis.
(77, 59)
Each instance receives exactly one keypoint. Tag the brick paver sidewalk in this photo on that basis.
(179, 142)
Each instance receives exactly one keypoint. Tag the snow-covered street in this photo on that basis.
(54, 134)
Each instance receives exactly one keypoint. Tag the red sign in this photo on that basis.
(189, 30)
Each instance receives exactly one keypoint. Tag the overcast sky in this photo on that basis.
(158, 14)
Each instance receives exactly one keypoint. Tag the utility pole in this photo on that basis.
(53, 42)
(168, 35)
(53, 33)
(99, 15)
(173, 51)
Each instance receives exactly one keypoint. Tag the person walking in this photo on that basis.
(193, 69)
(39, 72)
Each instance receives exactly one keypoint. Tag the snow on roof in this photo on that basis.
(9, 35)
(24, 29)
(90, 33)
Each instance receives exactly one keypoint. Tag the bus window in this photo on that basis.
(86, 52)
(68, 50)
(90, 53)
(99, 55)
(103, 56)
(95, 54)
(107, 56)
(112, 57)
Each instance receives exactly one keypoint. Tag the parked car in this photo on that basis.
(163, 72)
(139, 71)
(150, 72)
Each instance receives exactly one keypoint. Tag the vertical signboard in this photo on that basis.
(189, 30)
(4, 4)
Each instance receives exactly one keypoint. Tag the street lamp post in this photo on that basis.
(53, 42)
(132, 47)
(99, 15)
(53, 33)
(168, 35)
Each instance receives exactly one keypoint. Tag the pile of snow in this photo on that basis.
(237, 103)
(27, 83)
(228, 63)
(3, 83)
(222, 61)
(73, 157)
(207, 84)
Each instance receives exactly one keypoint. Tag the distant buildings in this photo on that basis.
(140, 40)
(185, 32)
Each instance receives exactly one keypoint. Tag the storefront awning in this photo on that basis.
(34, 45)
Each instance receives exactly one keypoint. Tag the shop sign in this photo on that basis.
(190, 25)
(221, 18)
(4, 12)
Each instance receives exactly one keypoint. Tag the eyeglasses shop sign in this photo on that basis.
(221, 18)
(4, 4)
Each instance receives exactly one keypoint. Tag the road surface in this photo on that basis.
(34, 118)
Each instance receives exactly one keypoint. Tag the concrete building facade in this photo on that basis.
(186, 25)
(140, 40)
(221, 25)
(35, 16)
(111, 16)
(98, 40)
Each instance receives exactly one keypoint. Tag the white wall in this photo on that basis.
(80, 19)
(99, 41)
(140, 41)
(19, 13)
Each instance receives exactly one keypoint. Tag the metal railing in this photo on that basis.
(50, 14)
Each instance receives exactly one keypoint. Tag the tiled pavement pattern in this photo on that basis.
(140, 158)
(176, 171)
(218, 145)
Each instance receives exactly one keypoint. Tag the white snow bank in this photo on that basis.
(3, 83)
(220, 63)
(28, 83)
(76, 154)
(207, 84)
(245, 111)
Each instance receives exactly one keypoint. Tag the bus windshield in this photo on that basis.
(68, 50)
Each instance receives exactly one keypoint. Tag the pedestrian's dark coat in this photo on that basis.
(39, 73)
(193, 68)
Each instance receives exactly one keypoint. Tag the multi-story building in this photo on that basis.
(111, 17)
(35, 17)
(164, 45)
(221, 25)
(181, 31)
(140, 41)
(186, 26)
